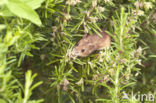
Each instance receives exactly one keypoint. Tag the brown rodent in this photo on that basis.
(90, 43)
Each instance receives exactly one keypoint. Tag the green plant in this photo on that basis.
(16, 41)
(102, 77)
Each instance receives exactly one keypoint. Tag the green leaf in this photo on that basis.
(5, 11)
(24, 11)
(152, 56)
(2, 26)
(53, 61)
(2, 2)
(36, 85)
(9, 39)
(2, 101)
(22, 56)
(34, 4)
(28, 54)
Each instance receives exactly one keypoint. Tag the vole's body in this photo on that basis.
(90, 43)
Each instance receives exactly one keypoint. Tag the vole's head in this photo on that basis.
(82, 48)
(90, 43)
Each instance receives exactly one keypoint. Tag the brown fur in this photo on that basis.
(90, 43)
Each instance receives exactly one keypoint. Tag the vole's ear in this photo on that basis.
(77, 44)
(91, 46)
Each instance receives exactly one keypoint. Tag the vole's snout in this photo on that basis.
(73, 54)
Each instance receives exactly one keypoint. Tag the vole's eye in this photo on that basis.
(82, 50)
(77, 44)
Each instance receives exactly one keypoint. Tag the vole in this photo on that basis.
(90, 43)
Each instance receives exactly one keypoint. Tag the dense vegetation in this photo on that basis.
(37, 36)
